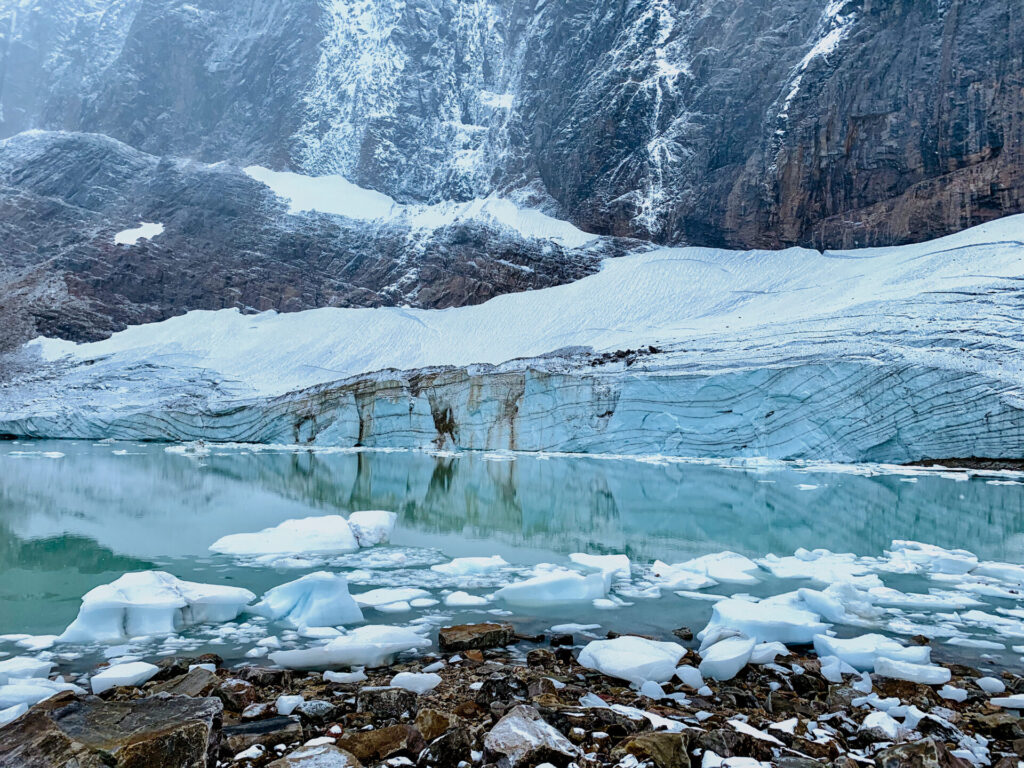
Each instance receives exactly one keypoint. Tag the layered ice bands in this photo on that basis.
(887, 355)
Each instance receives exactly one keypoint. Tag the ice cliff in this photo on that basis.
(889, 354)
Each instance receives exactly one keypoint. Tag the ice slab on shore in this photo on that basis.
(372, 526)
(725, 659)
(31, 690)
(20, 667)
(417, 682)
(928, 674)
(370, 646)
(326, 534)
(863, 652)
(132, 673)
(556, 587)
(635, 659)
(151, 603)
(766, 621)
(316, 600)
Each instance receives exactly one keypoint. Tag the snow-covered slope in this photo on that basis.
(884, 354)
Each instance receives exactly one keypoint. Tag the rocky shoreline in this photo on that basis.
(494, 698)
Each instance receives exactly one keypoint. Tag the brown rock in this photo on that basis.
(237, 694)
(922, 754)
(479, 637)
(259, 711)
(382, 743)
(198, 682)
(431, 723)
(86, 732)
(276, 730)
(322, 756)
(386, 703)
(261, 676)
(664, 749)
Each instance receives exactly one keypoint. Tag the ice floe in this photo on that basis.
(765, 621)
(556, 586)
(372, 527)
(151, 603)
(116, 675)
(316, 600)
(324, 534)
(468, 566)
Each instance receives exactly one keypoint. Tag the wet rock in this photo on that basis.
(264, 677)
(237, 694)
(683, 633)
(565, 639)
(922, 754)
(448, 750)
(317, 711)
(386, 702)
(541, 657)
(589, 719)
(726, 742)
(432, 723)
(796, 762)
(1006, 726)
(259, 711)
(663, 749)
(501, 687)
(320, 756)
(197, 682)
(383, 743)
(86, 732)
(276, 730)
(478, 637)
(523, 738)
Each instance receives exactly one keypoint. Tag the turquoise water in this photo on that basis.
(76, 515)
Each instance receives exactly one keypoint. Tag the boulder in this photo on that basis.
(382, 743)
(663, 749)
(275, 730)
(922, 754)
(318, 756)
(237, 694)
(70, 731)
(196, 682)
(386, 702)
(431, 723)
(451, 749)
(522, 738)
(475, 637)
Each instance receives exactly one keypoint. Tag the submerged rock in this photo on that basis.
(85, 732)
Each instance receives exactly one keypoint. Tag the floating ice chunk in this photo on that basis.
(766, 653)
(726, 567)
(371, 646)
(616, 565)
(572, 629)
(31, 690)
(470, 566)
(822, 566)
(20, 667)
(326, 534)
(1008, 572)
(862, 652)
(417, 682)
(464, 600)
(288, 704)
(842, 603)
(556, 587)
(928, 557)
(316, 600)
(1009, 702)
(11, 714)
(936, 601)
(953, 694)
(635, 659)
(725, 659)
(927, 674)
(883, 722)
(385, 596)
(151, 603)
(37, 642)
(345, 677)
(372, 527)
(765, 621)
(145, 231)
(677, 578)
(991, 685)
(134, 673)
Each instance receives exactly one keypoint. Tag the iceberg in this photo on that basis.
(316, 600)
(375, 645)
(766, 621)
(635, 659)
(327, 534)
(725, 567)
(151, 603)
(556, 587)
(372, 527)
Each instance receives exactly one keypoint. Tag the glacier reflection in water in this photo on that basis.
(75, 515)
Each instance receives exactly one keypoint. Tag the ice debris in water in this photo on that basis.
(371, 646)
(556, 586)
(913, 555)
(151, 603)
(316, 600)
(372, 527)
(468, 566)
(723, 567)
(616, 565)
(386, 597)
(132, 673)
(324, 534)
(631, 658)
(821, 566)
(31, 690)
(766, 621)
(23, 666)
(862, 652)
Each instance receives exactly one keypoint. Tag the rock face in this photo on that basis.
(70, 732)
(749, 123)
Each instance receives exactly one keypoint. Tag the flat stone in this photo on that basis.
(383, 743)
(431, 723)
(475, 637)
(197, 682)
(317, 710)
(386, 702)
(320, 756)
(276, 730)
(263, 676)
(70, 731)
(922, 754)
(259, 711)
(663, 749)
(523, 738)
(450, 750)
(237, 694)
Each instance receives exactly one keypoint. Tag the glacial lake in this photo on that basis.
(75, 515)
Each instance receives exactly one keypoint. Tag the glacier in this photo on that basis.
(888, 355)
